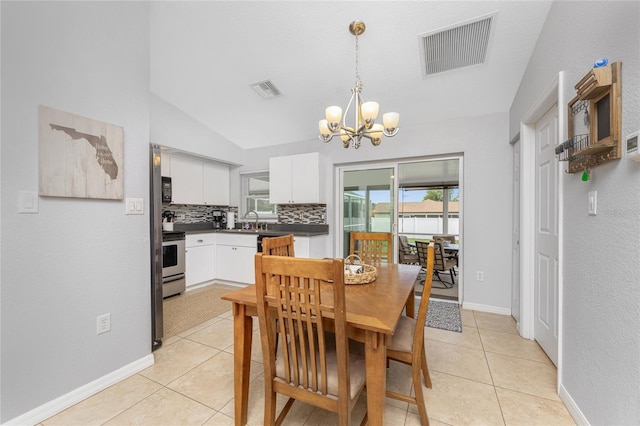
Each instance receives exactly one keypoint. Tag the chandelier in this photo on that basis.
(364, 114)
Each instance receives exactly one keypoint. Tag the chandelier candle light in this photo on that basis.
(365, 113)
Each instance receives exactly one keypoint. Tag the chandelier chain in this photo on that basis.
(358, 82)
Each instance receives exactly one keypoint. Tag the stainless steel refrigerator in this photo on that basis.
(155, 223)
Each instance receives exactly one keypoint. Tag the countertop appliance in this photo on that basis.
(219, 219)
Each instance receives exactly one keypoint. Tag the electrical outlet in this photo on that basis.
(479, 275)
(103, 323)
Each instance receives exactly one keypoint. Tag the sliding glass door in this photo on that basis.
(416, 198)
(368, 201)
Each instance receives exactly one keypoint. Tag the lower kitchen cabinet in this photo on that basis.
(235, 258)
(200, 258)
(311, 247)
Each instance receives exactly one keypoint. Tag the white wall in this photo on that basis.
(486, 197)
(173, 128)
(601, 306)
(77, 258)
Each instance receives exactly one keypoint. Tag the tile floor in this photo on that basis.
(485, 375)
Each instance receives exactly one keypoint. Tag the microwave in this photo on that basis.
(166, 189)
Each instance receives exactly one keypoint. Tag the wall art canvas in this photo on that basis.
(79, 157)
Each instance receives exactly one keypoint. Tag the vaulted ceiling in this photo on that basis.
(206, 54)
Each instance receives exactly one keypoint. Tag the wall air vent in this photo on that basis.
(266, 89)
(458, 46)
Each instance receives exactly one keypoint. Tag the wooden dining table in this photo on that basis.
(372, 313)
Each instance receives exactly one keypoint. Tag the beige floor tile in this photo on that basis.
(220, 419)
(255, 412)
(398, 380)
(458, 361)
(531, 377)
(457, 401)
(106, 404)
(522, 409)
(174, 360)
(468, 338)
(211, 383)
(413, 419)
(170, 341)
(495, 322)
(512, 345)
(468, 319)
(218, 335)
(164, 407)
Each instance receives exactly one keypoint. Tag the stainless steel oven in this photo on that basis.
(173, 263)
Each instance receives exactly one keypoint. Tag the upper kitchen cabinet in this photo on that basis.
(195, 181)
(295, 179)
(165, 164)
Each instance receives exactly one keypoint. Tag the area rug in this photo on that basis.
(185, 311)
(443, 315)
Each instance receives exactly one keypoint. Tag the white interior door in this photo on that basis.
(515, 236)
(546, 265)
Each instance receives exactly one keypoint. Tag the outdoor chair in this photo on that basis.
(407, 253)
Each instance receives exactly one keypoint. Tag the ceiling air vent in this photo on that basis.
(458, 46)
(266, 89)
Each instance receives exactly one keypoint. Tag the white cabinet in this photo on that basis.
(311, 247)
(235, 257)
(215, 191)
(199, 182)
(165, 164)
(295, 179)
(200, 258)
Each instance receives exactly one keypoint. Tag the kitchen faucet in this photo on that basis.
(257, 217)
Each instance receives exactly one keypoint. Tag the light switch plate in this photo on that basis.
(592, 202)
(27, 202)
(134, 205)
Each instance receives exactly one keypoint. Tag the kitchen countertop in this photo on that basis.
(275, 229)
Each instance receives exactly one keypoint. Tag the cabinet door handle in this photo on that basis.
(200, 241)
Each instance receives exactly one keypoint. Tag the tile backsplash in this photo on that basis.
(195, 214)
(302, 213)
(287, 213)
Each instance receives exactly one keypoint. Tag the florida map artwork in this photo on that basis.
(79, 157)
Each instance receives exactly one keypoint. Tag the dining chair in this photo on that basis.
(278, 246)
(407, 253)
(407, 346)
(315, 364)
(372, 247)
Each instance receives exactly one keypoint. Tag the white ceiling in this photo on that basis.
(205, 55)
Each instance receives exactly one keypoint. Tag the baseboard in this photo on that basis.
(486, 308)
(572, 407)
(52, 408)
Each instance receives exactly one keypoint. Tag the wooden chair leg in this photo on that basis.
(417, 387)
(425, 369)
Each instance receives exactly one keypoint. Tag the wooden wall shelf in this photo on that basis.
(594, 120)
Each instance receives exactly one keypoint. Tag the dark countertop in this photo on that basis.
(274, 229)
